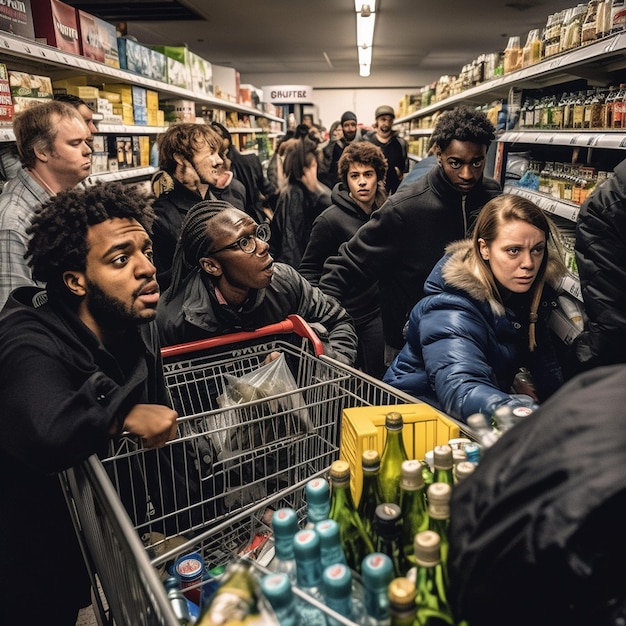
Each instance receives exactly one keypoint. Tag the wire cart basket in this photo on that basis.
(136, 511)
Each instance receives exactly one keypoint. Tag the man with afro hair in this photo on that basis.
(404, 239)
(80, 364)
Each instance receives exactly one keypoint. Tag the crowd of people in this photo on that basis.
(437, 283)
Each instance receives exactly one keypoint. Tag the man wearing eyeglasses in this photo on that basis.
(224, 280)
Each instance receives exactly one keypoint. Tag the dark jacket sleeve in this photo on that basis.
(321, 245)
(452, 334)
(601, 259)
(317, 309)
(54, 415)
(366, 256)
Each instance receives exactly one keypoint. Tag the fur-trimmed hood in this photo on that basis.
(457, 272)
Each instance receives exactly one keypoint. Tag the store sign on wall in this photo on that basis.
(288, 94)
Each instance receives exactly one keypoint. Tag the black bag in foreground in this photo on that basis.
(538, 531)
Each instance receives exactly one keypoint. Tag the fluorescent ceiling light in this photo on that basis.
(365, 30)
(365, 55)
(359, 4)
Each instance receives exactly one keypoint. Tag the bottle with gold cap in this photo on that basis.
(394, 453)
(439, 518)
(371, 495)
(354, 538)
(432, 602)
(402, 606)
(413, 509)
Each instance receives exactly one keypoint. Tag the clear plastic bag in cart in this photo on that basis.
(264, 413)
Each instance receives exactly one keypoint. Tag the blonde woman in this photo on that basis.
(485, 315)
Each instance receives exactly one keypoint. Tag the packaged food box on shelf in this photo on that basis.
(6, 102)
(56, 24)
(199, 71)
(98, 39)
(179, 111)
(17, 18)
(29, 89)
(363, 428)
(141, 59)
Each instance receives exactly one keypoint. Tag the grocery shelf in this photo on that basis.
(595, 61)
(602, 138)
(129, 129)
(38, 53)
(136, 173)
(550, 204)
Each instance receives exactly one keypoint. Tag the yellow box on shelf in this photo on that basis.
(363, 428)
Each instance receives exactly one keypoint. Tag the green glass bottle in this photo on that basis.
(389, 532)
(443, 460)
(354, 538)
(463, 469)
(394, 453)
(371, 495)
(432, 603)
(402, 606)
(438, 495)
(235, 599)
(413, 509)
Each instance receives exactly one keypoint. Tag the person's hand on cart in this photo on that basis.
(154, 424)
(272, 356)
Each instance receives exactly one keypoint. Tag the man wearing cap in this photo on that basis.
(394, 147)
(351, 133)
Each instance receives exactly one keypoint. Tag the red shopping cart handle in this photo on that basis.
(293, 324)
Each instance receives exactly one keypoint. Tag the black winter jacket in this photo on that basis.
(170, 210)
(60, 392)
(332, 227)
(401, 243)
(601, 259)
(296, 210)
(195, 312)
(537, 531)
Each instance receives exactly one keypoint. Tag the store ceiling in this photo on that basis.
(313, 42)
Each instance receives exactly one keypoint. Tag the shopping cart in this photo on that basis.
(136, 511)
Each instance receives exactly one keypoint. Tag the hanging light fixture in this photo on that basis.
(365, 20)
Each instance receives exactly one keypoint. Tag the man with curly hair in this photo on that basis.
(404, 239)
(80, 364)
(53, 144)
(361, 190)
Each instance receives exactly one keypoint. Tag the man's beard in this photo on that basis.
(109, 312)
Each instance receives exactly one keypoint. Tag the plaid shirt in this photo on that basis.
(19, 199)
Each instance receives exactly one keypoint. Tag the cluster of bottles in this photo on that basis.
(383, 562)
(572, 182)
(599, 108)
(395, 542)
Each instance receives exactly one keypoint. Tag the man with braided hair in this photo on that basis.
(79, 364)
(403, 240)
(224, 280)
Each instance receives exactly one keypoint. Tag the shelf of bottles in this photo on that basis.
(559, 68)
